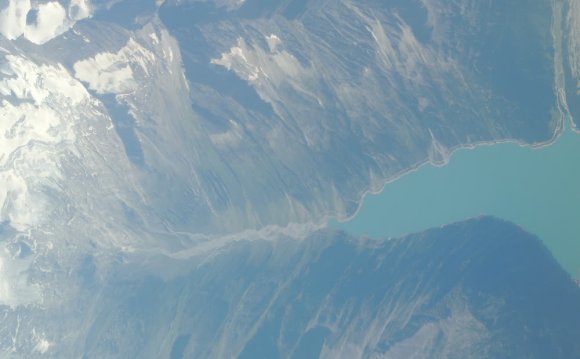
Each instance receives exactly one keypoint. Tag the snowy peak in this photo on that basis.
(40, 110)
(41, 21)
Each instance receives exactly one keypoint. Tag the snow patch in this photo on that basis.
(52, 19)
(237, 61)
(50, 22)
(154, 38)
(42, 345)
(273, 42)
(255, 64)
(15, 288)
(79, 9)
(13, 18)
(115, 72)
(28, 81)
(35, 121)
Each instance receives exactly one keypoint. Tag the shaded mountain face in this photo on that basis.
(478, 289)
(228, 115)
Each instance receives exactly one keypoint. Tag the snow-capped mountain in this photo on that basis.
(143, 139)
(245, 114)
(478, 289)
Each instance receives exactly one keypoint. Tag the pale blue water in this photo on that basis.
(538, 189)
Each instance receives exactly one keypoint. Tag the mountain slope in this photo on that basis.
(153, 153)
(236, 115)
(478, 289)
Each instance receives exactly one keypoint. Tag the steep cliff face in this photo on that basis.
(478, 289)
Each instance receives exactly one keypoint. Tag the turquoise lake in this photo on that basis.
(536, 188)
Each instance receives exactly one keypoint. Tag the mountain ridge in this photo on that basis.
(475, 289)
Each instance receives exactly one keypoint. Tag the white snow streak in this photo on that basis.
(114, 72)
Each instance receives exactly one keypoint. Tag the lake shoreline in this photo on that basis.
(559, 130)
